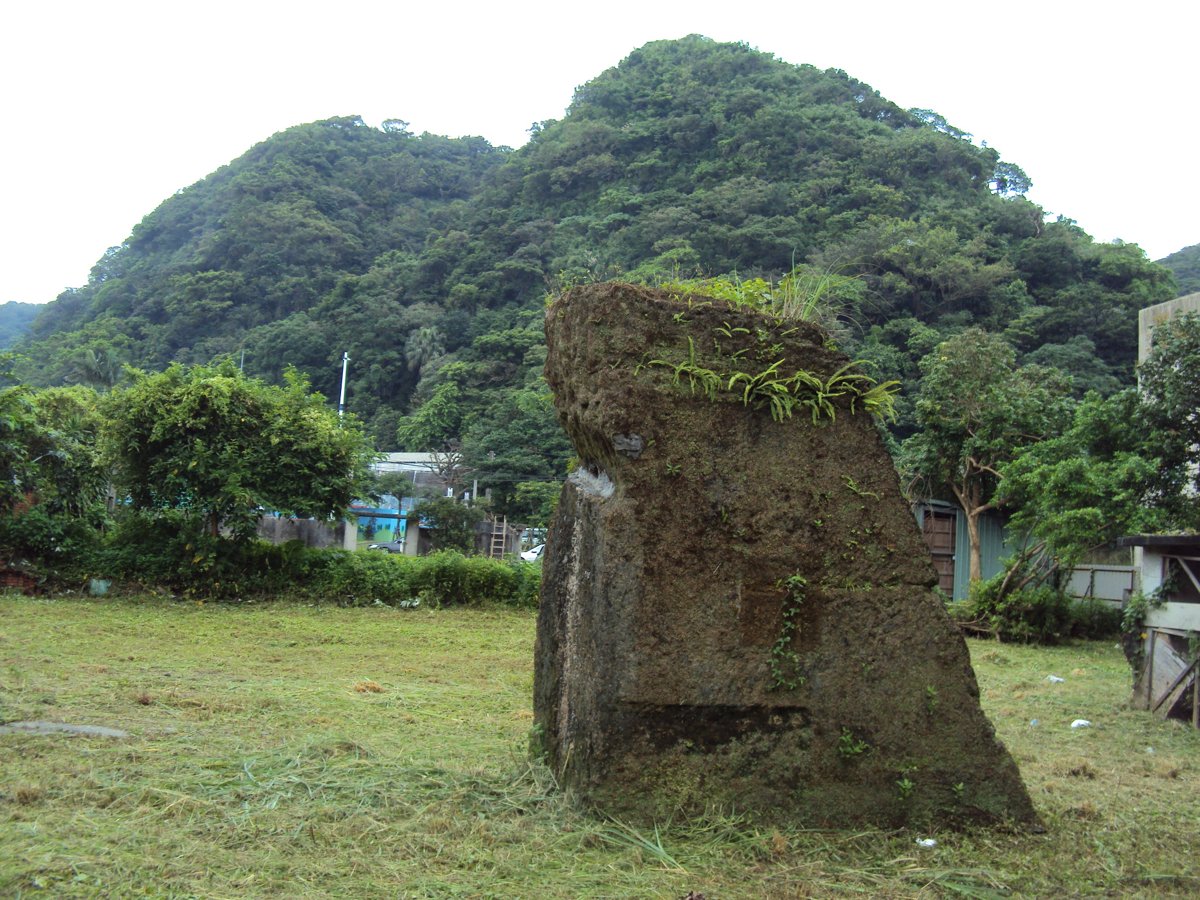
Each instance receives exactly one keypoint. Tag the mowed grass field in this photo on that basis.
(296, 751)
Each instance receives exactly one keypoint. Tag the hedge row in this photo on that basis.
(440, 579)
(168, 550)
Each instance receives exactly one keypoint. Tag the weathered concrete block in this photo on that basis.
(310, 532)
(738, 611)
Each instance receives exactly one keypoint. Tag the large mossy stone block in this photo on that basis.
(738, 611)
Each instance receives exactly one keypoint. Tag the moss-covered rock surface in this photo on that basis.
(737, 608)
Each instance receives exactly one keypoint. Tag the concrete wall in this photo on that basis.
(1113, 583)
(1153, 316)
(310, 532)
(1172, 615)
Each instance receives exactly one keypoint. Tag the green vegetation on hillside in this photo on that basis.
(427, 259)
(239, 260)
(15, 319)
(1185, 266)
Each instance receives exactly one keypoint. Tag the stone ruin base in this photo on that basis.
(737, 612)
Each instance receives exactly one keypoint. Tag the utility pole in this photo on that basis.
(342, 399)
(350, 529)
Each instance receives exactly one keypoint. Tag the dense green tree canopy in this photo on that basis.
(976, 409)
(48, 454)
(1077, 491)
(223, 447)
(1127, 463)
(69, 475)
(1170, 393)
(18, 434)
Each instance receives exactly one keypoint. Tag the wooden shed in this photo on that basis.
(1166, 650)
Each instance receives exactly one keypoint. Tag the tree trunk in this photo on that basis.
(970, 499)
(976, 558)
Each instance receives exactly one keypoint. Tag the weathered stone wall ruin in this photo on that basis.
(737, 611)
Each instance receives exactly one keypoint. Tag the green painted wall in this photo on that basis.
(993, 549)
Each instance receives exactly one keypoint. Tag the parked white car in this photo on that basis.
(534, 553)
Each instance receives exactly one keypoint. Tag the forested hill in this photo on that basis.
(428, 259)
(264, 238)
(1185, 265)
(15, 319)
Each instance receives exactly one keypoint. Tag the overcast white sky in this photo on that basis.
(111, 107)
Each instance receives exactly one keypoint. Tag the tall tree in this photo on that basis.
(18, 429)
(97, 367)
(423, 345)
(976, 409)
(436, 428)
(71, 478)
(517, 441)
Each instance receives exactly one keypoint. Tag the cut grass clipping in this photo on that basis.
(289, 750)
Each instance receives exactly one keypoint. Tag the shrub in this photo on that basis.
(529, 584)
(1040, 614)
(1091, 618)
(449, 578)
(440, 579)
(56, 540)
(359, 579)
(173, 549)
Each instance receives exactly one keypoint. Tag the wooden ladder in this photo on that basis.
(499, 535)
